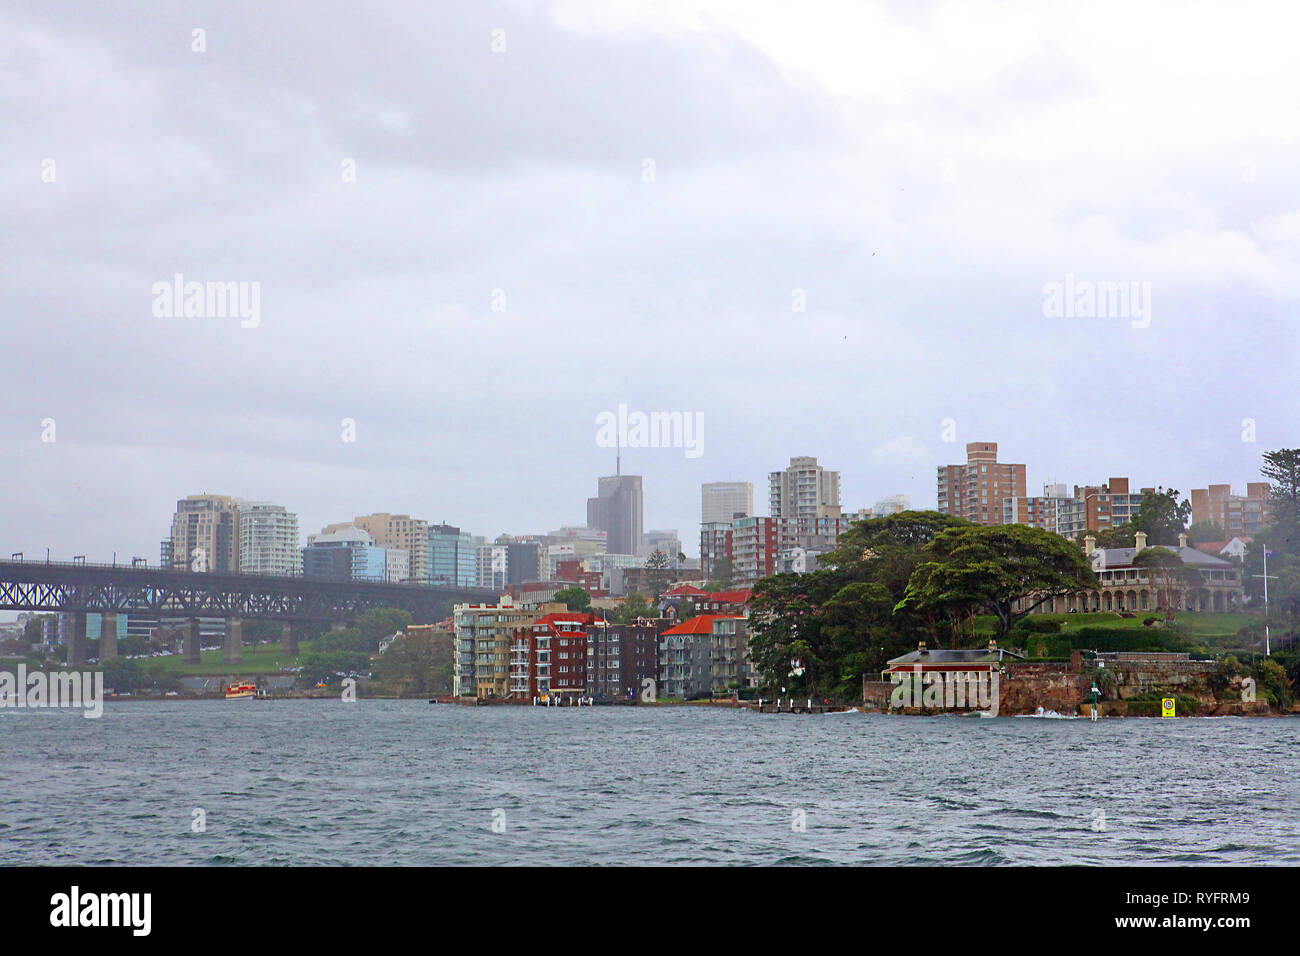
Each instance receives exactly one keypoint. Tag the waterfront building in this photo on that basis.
(622, 657)
(684, 668)
(484, 634)
(1126, 586)
(548, 657)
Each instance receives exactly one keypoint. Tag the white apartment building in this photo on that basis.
(804, 490)
(268, 539)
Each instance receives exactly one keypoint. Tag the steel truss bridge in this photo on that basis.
(118, 589)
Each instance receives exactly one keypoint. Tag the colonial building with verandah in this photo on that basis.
(1124, 586)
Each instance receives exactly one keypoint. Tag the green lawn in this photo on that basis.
(261, 659)
(1197, 625)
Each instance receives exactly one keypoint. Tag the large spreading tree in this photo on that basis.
(1168, 576)
(823, 630)
(1006, 570)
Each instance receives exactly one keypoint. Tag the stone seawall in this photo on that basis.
(1026, 686)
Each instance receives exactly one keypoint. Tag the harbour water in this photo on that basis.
(401, 782)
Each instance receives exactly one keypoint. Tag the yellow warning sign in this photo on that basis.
(1166, 707)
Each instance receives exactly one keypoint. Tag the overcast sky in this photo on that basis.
(649, 189)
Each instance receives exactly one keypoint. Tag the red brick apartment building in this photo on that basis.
(1237, 515)
(549, 657)
(976, 490)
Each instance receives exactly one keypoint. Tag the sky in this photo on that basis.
(821, 229)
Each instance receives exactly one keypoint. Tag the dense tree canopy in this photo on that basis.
(823, 630)
(1168, 576)
(574, 598)
(1007, 570)
(1162, 516)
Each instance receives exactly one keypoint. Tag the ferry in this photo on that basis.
(240, 689)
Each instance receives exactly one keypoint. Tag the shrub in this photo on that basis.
(1149, 706)
(1039, 624)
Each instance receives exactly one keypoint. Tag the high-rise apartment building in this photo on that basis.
(268, 539)
(1098, 507)
(484, 635)
(618, 510)
(804, 490)
(721, 501)
(396, 531)
(1038, 511)
(205, 534)
(715, 546)
(1236, 514)
(976, 490)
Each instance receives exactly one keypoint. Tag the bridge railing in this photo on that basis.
(138, 565)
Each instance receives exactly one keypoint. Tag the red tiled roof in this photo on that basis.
(684, 589)
(739, 596)
(702, 624)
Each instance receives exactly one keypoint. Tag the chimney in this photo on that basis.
(1140, 541)
(1089, 544)
(993, 644)
(920, 648)
(1182, 540)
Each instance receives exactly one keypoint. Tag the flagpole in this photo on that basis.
(1265, 576)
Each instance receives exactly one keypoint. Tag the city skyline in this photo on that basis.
(687, 529)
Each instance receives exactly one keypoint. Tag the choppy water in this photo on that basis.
(400, 782)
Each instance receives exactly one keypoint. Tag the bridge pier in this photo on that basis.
(76, 639)
(107, 636)
(288, 639)
(192, 645)
(233, 652)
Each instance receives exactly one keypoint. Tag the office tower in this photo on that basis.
(618, 510)
(720, 501)
(349, 553)
(453, 557)
(397, 531)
